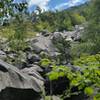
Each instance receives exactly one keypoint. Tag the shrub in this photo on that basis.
(77, 19)
(81, 48)
(87, 80)
(45, 62)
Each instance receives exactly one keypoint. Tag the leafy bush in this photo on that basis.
(17, 45)
(63, 47)
(17, 40)
(54, 21)
(77, 19)
(81, 48)
(90, 66)
(88, 61)
(92, 31)
(58, 71)
(87, 79)
(45, 62)
(67, 24)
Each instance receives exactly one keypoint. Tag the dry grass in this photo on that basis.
(8, 31)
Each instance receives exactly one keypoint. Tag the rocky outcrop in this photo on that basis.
(31, 58)
(25, 80)
(42, 44)
(12, 79)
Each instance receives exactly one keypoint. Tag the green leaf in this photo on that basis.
(45, 62)
(89, 91)
(94, 98)
(74, 82)
(61, 74)
(97, 96)
(53, 75)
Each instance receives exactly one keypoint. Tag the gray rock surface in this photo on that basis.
(75, 35)
(33, 72)
(33, 58)
(2, 54)
(44, 44)
(10, 76)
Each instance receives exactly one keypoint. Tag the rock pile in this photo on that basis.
(26, 78)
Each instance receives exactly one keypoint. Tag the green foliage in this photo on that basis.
(92, 32)
(48, 98)
(18, 29)
(77, 19)
(58, 71)
(8, 7)
(63, 47)
(45, 62)
(4, 4)
(17, 40)
(83, 10)
(7, 31)
(90, 66)
(87, 79)
(80, 48)
(84, 61)
(68, 24)
(53, 76)
(88, 91)
(54, 21)
(97, 97)
(17, 45)
(41, 26)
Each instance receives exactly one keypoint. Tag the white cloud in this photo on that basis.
(43, 4)
(70, 3)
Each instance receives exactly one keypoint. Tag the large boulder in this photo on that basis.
(36, 48)
(57, 37)
(11, 77)
(31, 58)
(35, 68)
(75, 35)
(44, 43)
(33, 71)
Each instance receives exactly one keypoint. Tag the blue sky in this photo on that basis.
(53, 4)
(62, 4)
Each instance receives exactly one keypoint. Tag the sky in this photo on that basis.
(53, 4)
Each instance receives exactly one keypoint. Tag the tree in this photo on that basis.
(8, 9)
(77, 19)
(92, 33)
(14, 12)
(67, 23)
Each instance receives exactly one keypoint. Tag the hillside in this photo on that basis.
(52, 55)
